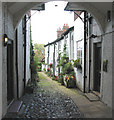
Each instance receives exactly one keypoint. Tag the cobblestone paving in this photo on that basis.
(46, 102)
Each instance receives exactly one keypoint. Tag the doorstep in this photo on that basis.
(92, 97)
(15, 107)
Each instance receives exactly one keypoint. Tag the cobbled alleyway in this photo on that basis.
(47, 101)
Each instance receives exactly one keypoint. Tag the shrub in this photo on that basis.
(39, 70)
(66, 67)
(53, 78)
(51, 65)
(44, 69)
(77, 63)
(48, 69)
(56, 78)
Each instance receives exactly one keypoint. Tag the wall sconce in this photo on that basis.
(5, 39)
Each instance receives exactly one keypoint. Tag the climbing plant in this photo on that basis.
(66, 67)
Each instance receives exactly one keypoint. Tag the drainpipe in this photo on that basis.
(85, 13)
(89, 33)
(54, 61)
(24, 51)
(48, 56)
(16, 36)
(58, 59)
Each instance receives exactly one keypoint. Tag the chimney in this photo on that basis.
(60, 31)
(65, 27)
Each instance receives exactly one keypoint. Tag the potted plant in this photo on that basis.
(70, 81)
(66, 68)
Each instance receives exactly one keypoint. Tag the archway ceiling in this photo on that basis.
(98, 9)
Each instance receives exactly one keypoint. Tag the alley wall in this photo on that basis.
(1, 60)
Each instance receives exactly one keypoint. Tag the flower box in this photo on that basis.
(69, 81)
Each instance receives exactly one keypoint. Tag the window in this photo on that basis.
(79, 50)
(59, 45)
(72, 47)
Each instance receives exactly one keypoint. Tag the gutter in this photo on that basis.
(57, 40)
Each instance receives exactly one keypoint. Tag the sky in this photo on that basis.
(44, 24)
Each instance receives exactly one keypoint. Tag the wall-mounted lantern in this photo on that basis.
(5, 39)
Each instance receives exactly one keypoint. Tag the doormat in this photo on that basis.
(15, 107)
(92, 97)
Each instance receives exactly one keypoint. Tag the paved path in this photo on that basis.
(52, 100)
(95, 109)
(47, 101)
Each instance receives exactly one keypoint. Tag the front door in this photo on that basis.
(10, 94)
(97, 66)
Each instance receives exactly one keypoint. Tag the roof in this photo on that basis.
(68, 30)
(62, 36)
(54, 41)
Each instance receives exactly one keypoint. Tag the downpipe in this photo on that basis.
(85, 16)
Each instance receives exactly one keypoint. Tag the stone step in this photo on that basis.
(92, 97)
(15, 107)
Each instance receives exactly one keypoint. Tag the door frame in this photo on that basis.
(94, 57)
(10, 42)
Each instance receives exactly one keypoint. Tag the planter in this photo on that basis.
(69, 83)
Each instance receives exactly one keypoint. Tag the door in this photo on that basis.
(10, 94)
(97, 66)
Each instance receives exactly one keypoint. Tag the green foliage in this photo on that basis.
(77, 63)
(34, 73)
(39, 70)
(38, 48)
(53, 78)
(44, 69)
(60, 79)
(66, 68)
(49, 72)
(64, 63)
(39, 52)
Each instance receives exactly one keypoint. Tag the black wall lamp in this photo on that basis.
(5, 39)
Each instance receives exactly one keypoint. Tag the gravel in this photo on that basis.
(47, 103)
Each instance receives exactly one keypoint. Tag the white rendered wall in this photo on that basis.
(106, 77)
(28, 71)
(1, 45)
(79, 35)
(20, 58)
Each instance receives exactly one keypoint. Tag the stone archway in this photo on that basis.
(18, 9)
